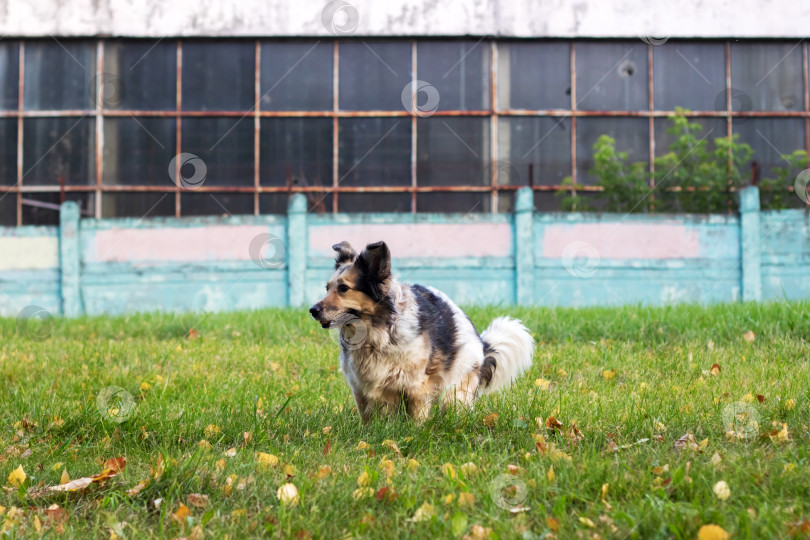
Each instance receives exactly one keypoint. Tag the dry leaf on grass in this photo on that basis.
(198, 500)
(712, 532)
(137, 488)
(687, 442)
(112, 468)
(722, 490)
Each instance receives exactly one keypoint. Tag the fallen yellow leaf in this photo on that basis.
(712, 532)
(65, 477)
(288, 494)
(722, 490)
(17, 477)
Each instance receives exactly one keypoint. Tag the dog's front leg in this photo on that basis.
(418, 407)
(362, 406)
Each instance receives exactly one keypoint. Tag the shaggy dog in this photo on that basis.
(411, 345)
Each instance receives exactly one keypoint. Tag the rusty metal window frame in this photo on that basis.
(494, 113)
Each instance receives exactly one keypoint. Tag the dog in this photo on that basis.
(409, 346)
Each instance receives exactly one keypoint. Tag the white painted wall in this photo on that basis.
(513, 18)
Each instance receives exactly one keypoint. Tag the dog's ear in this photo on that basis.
(375, 261)
(345, 253)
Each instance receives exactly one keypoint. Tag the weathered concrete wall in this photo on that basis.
(519, 18)
(246, 262)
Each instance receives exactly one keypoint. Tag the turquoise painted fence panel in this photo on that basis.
(785, 241)
(88, 266)
(29, 269)
(198, 264)
(593, 259)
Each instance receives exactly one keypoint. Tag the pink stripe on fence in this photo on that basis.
(213, 243)
(420, 239)
(624, 240)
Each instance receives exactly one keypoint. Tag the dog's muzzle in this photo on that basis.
(317, 311)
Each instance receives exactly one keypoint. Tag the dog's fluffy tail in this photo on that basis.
(508, 351)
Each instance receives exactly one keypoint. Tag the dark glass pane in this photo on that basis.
(216, 204)
(374, 152)
(43, 208)
(226, 147)
(462, 203)
(9, 74)
(273, 203)
(218, 76)
(140, 75)
(459, 70)
(767, 76)
(59, 75)
(296, 151)
(506, 202)
(138, 151)
(8, 209)
(612, 76)
(631, 134)
(534, 75)
(137, 205)
(546, 201)
(534, 150)
(689, 75)
(374, 202)
(297, 76)
(59, 147)
(713, 128)
(373, 74)
(8, 152)
(452, 151)
(770, 138)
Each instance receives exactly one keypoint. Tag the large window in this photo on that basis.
(139, 128)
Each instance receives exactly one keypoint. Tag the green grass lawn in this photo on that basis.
(226, 414)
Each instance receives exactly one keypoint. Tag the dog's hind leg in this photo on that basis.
(463, 392)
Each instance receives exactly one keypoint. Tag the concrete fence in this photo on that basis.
(113, 266)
